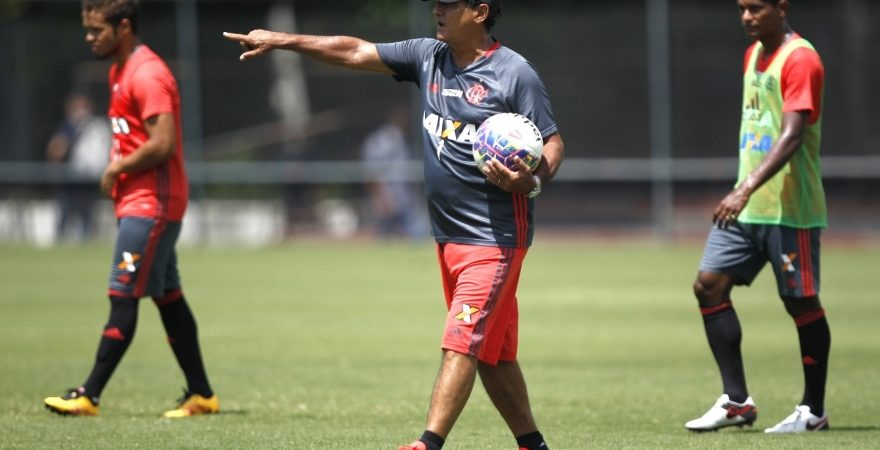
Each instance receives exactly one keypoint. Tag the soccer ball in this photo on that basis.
(505, 135)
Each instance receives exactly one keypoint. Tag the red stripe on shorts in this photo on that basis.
(520, 212)
(498, 280)
(806, 263)
(149, 255)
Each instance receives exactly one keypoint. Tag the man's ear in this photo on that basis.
(482, 13)
(783, 8)
(124, 27)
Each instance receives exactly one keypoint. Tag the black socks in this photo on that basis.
(815, 340)
(725, 335)
(115, 340)
(432, 440)
(180, 326)
(532, 441)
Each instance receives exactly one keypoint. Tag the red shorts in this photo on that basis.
(480, 286)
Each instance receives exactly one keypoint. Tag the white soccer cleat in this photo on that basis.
(799, 421)
(725, 413)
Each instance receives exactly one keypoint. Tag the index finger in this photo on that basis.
(235, 36)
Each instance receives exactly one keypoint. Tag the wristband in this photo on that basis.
(537, 190)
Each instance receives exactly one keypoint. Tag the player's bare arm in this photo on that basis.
(521, 180)
(344, 51)
(551, 157)
(793, 125)
(160, 146)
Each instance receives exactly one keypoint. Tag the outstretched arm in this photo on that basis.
(793, 126)
(345, 51)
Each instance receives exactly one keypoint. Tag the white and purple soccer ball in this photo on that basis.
(505, 135)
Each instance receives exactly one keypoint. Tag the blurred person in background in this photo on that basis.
(394, 208)
(147, 182)
(80, 143)
(482, 221)
(775, 214)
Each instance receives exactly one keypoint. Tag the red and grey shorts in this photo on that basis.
(144, 260)
(480, 285)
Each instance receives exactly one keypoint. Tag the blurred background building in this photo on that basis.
(646, 93)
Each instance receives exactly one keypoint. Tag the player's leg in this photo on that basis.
(795, 260)
(115, 340)
(64, 213)
(180, 327)
(493, 274)
(729, 258)
(458, 370)
(506, 387)
(504, 382)
(473, 280)
(814, 336)
(453, 387)
(723, 330)
(182, 332)
(132, 267)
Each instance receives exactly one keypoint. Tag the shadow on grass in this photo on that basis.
(233, 412)
(855, 428)
(756, 430)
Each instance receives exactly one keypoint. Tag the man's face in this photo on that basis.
(100, 34)
(451, 18)
(761, 19)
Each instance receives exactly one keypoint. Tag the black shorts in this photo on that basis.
(743, 249)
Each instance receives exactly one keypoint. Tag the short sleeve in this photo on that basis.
(533, 99)
(405, 58)
(153, 90)
(803, 78)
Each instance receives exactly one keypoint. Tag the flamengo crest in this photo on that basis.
(476, 94)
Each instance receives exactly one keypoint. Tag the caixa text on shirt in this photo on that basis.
(450, 129)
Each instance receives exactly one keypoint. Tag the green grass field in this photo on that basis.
(335, 346)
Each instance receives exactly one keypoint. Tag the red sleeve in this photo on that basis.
(803, 78)
(154, 90)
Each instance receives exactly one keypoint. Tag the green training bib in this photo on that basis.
(794, 196)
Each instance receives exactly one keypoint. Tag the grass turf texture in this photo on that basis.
(335, 346)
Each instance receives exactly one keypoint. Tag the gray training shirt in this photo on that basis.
(463, 206)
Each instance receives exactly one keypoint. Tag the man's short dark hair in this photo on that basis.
(494, 11)
(115, 10)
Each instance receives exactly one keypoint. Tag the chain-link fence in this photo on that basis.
(290, 129)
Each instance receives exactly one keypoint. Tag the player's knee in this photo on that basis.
(168, 298)
(705, 292)
(711, 289)
(797, 307)
(123, 312)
